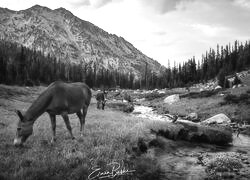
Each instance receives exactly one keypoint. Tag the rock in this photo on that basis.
(172, 99)
(161, 91)
(217, 119)
(218, 87)
(192, 117)
(202, 89)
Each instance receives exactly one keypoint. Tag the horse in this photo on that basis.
(127, 98)
(101, 99)
(58, 99)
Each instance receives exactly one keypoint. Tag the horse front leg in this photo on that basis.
(53, 127)
(66, 120)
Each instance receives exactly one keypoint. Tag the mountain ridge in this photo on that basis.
(60, 33)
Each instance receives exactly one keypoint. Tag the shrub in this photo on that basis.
(202, 94)
(154, 95)
(220, 164)
(233, 99)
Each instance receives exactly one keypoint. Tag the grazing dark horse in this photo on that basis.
(58, 99)
(101, 99)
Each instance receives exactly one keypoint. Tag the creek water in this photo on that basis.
(149, 113)
(179, 159)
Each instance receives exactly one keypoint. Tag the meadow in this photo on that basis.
(119, 145)
(109, 137)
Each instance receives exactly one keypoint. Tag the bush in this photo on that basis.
(220, 165)
(202, 94)
(233, 99)
(154, 95)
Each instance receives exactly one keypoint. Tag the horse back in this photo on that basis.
(70, 97)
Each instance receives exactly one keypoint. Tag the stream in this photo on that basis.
(180, 159)
(149, 113)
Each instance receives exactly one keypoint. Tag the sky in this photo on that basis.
(174, 30)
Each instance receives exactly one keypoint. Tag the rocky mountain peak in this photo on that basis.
(61, 34)
(39, 8)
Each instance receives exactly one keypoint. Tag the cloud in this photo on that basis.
(160, 33)
(164, 6)
(92, 3)
(100, 3)
(208, 30)
(242, 3)
(78, 3)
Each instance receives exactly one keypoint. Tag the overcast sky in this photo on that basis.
(162, 29)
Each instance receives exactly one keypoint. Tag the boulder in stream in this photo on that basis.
(217, 119)
(172, 99)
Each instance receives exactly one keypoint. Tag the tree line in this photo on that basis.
(215, 63)
(23, 66)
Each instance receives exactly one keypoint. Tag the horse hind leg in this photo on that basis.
(80, 116)
(53, 127)
(66, 120)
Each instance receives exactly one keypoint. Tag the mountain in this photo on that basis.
(61, 34)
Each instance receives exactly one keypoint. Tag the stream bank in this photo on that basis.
(191, 160)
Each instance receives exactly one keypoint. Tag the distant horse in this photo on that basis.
(127, 97)
(58, 99)
(101, 99)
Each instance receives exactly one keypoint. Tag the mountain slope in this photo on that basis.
(69, 38)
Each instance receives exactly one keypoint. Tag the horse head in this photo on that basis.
(24, 129)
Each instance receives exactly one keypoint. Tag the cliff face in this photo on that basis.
(61, 34)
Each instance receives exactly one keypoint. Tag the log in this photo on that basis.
(193, 132)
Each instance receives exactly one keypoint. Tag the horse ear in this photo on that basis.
(20, 115)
